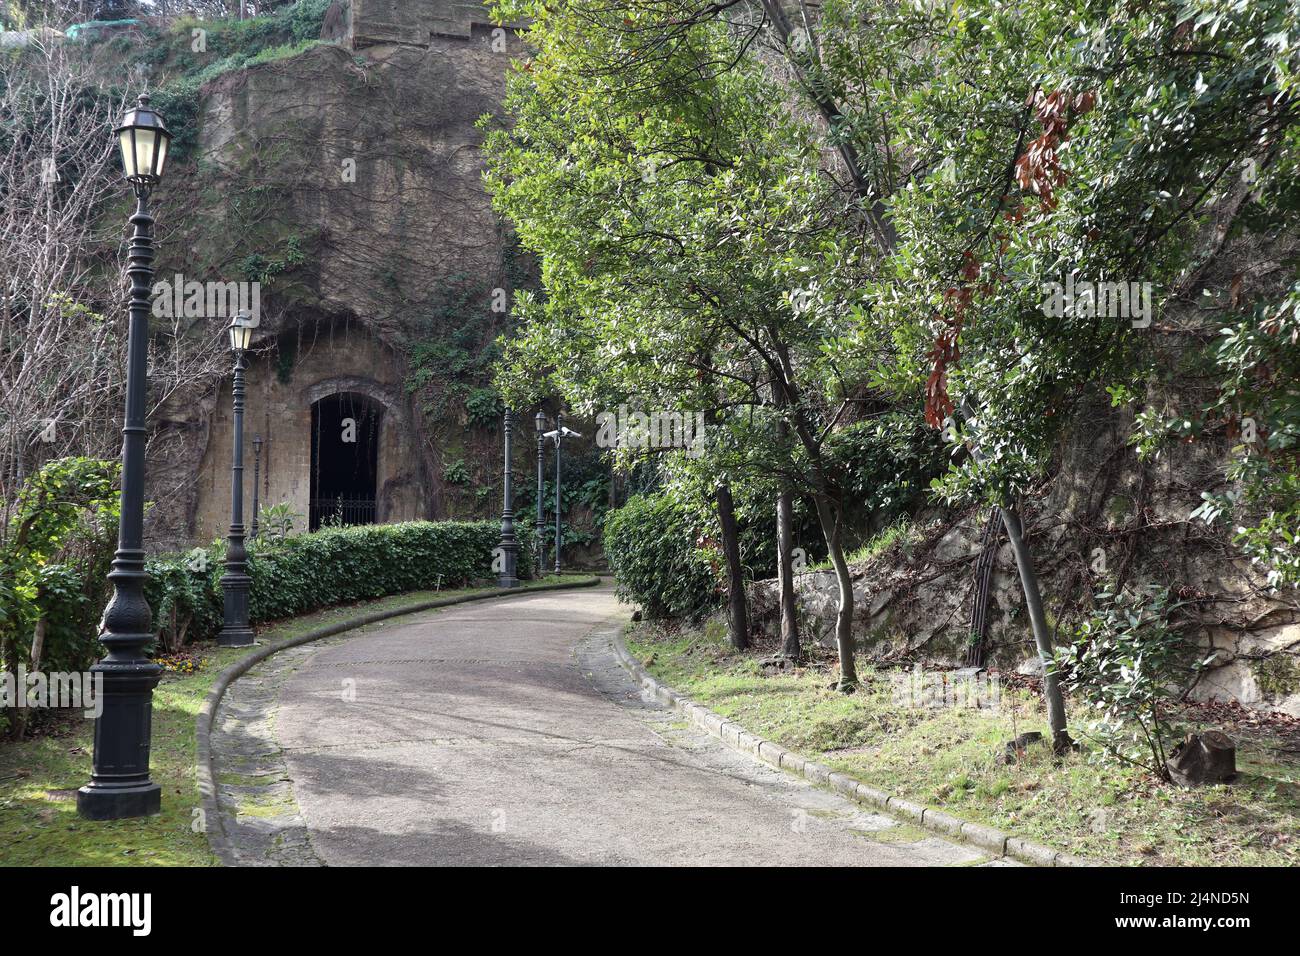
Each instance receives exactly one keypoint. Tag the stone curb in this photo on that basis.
(737, 738)
(218, 838)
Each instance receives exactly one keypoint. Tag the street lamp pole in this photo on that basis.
(119, 784)
(235, 583)
(558, 435)
(509, 546)
(559, 440)
(257, 476)
(540, 421)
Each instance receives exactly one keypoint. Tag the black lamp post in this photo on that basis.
(540, 421)
(257, 473)
(560, 433)
(119, 780)
(508, 578)
(235, 631)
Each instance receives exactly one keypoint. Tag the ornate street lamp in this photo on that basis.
(119, 781)
(540, 421)
(509, 546)
(257, 474)
(235, 631)
(560, 433)
(143, 140)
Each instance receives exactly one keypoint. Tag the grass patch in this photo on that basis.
(900, 533)
(949, 757)
(39, 825)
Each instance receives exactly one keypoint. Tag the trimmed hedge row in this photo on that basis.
(651, 546)
(331, 566)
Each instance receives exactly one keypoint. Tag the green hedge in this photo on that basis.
(651, 546)
(293, 576)
(332, 566)
(64, 523)
(352, 564)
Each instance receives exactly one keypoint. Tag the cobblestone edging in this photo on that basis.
(739, 739)
(210, 790)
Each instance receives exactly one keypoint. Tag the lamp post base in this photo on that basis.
(119, 784)
(235, 630)
(109, 802)
(506, 559)
(236, 637)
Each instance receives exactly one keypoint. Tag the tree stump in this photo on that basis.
(1210, 757)
(1015, 749)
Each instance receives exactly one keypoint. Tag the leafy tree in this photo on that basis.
(54, 553)
(779, 217)
(1100, 155)
(682, 223)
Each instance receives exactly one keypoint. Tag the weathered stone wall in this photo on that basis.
(279, 399)
(914, 601)
(413, 22)
(367, 162)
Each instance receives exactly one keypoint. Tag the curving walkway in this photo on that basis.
(506, 733)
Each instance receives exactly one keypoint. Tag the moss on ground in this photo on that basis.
(39, 825)
(267, 805)
(949, 757)
(903, 833)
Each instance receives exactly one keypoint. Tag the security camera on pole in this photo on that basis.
(560, 433)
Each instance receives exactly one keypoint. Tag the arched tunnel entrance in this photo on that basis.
(344, 459)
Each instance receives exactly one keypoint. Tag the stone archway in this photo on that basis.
(388, 397)
(283, 410)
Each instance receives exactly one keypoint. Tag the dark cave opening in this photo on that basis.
(344, 459)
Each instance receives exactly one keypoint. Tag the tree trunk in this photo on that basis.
(38, 648)
(737, 612)
(5, 668)
(830, 521)
(1034, 603)
(784, 545)
(38, 643)
(785, 576)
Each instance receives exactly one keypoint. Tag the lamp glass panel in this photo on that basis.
(144, 145)
(163, 142)
(126, 144)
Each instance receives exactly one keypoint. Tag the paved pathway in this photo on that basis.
(505, 732)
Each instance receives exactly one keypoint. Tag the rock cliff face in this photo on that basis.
(1101, 516)
(346, 181)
